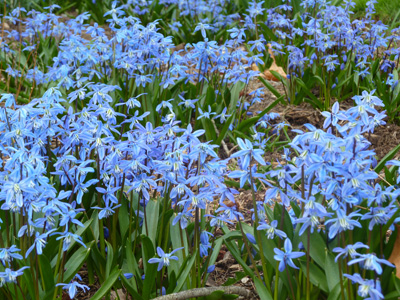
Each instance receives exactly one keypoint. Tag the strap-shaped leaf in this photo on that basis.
(270, 87)
(184, 272)
(386, 158)
(262, 290)
(76, 261)
(107, 285)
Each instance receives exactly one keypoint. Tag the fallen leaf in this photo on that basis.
(274, 67)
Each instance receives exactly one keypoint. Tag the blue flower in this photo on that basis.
(247, 153)
(187, 102)
(222, 116)
(8, 254)
(371, 262)
(73, 286)
(164, 259)
(9, 99)
(367, 287)
(349, 250)
(205, 114)
(343, 222)
(202, 27)
(39, 243)
(285, 257)
(272, 230)
(11, 276)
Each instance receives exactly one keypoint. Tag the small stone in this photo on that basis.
(245, 280)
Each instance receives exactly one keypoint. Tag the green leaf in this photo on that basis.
(270, 87)
(287, 223)
(27, 281)
(210, 97)
(334, 294)
(131, 263)
(280, 77)
(317, 247)
(308, 91)
(211, 134)
(184, 272)
(46, 273)
(123, 217)
(131, 290)
(171, 281)
(395, 21)
(268, 32)
(223, 132)
(176, 239)
(150, 269)
(81, 231)
(110, 258)
(262, 290)
(391, 295)
(107, 285)
(76, 261)
(235, 93)
(317, 277)
(148, 250)
(331, 271)
(319, 79)
(152, 211)
(387, 157)
(246, 124)
(232, 247)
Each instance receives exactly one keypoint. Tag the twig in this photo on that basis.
(206, 291)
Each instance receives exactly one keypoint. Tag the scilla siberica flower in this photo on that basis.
(10, 276)
(8, 254)
(272, 230)
(367, 287)
(371, 262)
(73, 286)
(247, 152)
(164, 259)
(349, 250)
(342, 223)
(285, 257)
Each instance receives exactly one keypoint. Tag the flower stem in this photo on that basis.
(258, 236)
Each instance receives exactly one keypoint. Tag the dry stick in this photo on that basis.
(206, 291)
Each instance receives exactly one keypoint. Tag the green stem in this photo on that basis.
(341, 274)
(276, 281)
(248, 250)
(59, 255)
(290, 282)
(258, 234)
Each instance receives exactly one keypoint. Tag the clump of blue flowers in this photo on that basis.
(112, 138)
